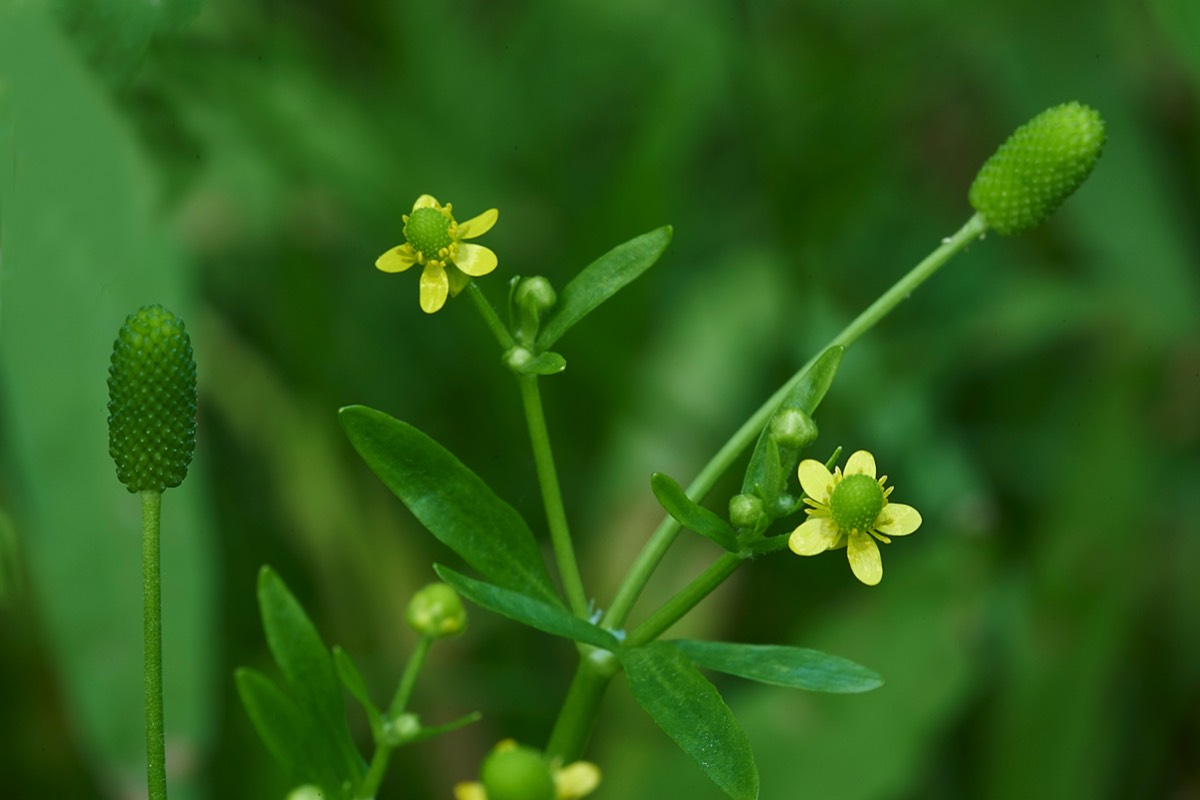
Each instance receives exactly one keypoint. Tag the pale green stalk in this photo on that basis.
(404, 690)
(156, 750)
(543, 457)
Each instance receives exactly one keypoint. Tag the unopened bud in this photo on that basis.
(794, 428)
(437, 611)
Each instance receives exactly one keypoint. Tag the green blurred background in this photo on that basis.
(244, 163)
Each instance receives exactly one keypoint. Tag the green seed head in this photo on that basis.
(855, 503)
(152, 401)
(428, 231)
(1040, 165)
(515, 772)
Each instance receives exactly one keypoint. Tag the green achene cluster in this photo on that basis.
(152, 401)
(1038, 167)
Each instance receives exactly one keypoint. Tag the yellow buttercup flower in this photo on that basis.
(512, 771)
(434, 239)
(850, 510)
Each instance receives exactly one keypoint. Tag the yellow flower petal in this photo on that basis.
(897, 519)
(434, 288)
(475, 259)
(861, 463)
(815, 480)
(397, 259)
(426, 201)
(814, 536)
(470, 791)
(478, 226)
(576, 780)
(864, 558)
(458, 281)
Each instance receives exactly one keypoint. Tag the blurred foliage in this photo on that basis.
(246, 162)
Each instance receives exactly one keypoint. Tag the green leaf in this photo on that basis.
(553, 619)
(601, 279)
(288, 732)
(308, 669)
(794, 667)
(691, 515)
(805, 394)
(451, 501)
(548, 363)
(357, 687)
(685, 705)
(438, 730)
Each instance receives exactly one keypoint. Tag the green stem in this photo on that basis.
(543, 456)
(664, 536)
(156, 751)
(577, 717)
(491, 317)
(409, 679)
(683, 602)
(404, 690)
(556, 515)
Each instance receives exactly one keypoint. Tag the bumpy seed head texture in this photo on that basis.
(1040, 165)
(152, 401)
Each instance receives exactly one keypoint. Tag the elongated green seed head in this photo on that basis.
(152, 401)
(1040, 166)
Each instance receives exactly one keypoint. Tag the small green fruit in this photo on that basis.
(1040, 166)
(515, 772)
(152, 401)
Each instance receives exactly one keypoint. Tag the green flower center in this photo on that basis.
(428, 231)
(855, 503)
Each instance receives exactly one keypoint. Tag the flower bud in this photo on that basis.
(307, 792)
(532, 298)
(537, 294)
(152, 401)
(1041, 165)
(794, 428)
(436, 611)
(745, 510)
(514, 772)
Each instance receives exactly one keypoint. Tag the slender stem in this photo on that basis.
(577, 717)
(683, 602)
(156, 749)
(543, 456)
(556, 515)
(950, 247)
(409, 679)
(664, 536)
(490, 317)
(383, 750)
(379, 765)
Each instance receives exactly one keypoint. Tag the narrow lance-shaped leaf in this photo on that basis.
(308, 668)
(290, 735)
(690, 710)
(527, 610)
(357, 687)
(691, 515)
(806, 394)
(451, 501)
(601, 279)
(794, 667)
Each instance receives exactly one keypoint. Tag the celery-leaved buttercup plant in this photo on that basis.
(787, 501)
